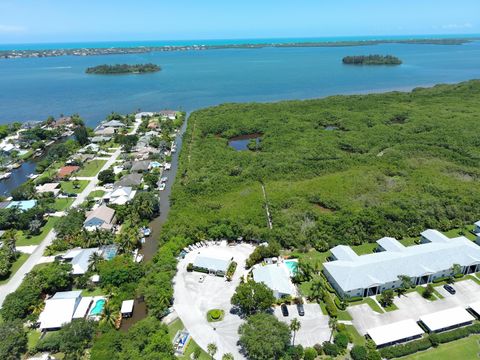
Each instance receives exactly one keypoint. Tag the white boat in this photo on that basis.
(33, 176)
(168, 166)
(146, 231)
(5, 175)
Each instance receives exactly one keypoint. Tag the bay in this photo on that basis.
(34, 88)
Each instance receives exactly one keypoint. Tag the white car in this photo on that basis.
(168, 166)
(162, 187)
(164, 179)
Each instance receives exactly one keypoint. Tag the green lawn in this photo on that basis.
(462, 349)
(67, 186)
(355, 337)
(63, 204)
(461, 232)
(342, 315)
(172, 330)
(388, 308)
(91, 168)
(33, 337)
(24, 240)
(366, 248)
(95, 292)
(15, 266)
(96, 194)
(370, 302)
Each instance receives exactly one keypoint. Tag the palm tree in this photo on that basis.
(212, 349)
(318, 288)
(227, 356)
(109, 315)
(332, 324)
(94, 260)
(294, 327)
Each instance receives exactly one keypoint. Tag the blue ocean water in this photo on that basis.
(32, 89)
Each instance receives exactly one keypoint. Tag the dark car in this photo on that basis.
(300, 309)
(284, 310)
(450, 289)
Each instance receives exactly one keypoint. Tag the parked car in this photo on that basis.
(162, 187)
(300, 310)
(284, 309)
(450, 289)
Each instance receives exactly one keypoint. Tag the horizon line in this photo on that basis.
(371, 37)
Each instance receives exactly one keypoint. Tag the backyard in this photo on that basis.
(468, 348)
(25, 239)
(74, 186)
(172, 330)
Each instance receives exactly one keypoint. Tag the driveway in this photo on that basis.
(314, 325)
(413, 306)
(193, 299)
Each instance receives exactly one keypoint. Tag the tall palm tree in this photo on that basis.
(212, 349)
(332, 324)
(227, 356)
(109, 315)
(94, 260)
(294, 327)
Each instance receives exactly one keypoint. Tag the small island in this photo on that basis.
(372, 60)
(123, 69)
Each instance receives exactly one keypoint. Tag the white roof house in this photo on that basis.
(276, 277)
(350, 272)
(59, 309)
(48, 187)
(395, 332)
(83, 307)
(447, 319)
(120, 196)
(80, 259)
(212, 264)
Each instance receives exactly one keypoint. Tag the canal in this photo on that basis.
(149, 249)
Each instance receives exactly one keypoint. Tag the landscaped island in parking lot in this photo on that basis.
(123, 69)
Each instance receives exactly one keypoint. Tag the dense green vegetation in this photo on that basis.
(123, 69)
(372, 60)
(396, 164)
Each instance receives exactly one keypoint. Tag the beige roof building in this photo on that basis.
(48, 187)
(102, 218)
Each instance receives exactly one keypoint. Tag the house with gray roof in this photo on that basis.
(129, 180)
(140, 166)
(366, 275)
(213, 265)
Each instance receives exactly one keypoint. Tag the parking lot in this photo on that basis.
(413, 305)
(314, 325)
(193, 298)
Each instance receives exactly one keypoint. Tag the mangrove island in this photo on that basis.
(123, 69)
(372, 60)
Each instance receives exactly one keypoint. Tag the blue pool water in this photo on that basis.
(98, 308)
(292, 266)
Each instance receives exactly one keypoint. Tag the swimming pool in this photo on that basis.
(292, 266)
(98, 308)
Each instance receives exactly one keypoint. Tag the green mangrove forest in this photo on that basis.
(372, 60)
(123, 69)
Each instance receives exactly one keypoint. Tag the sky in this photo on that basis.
(32, 21)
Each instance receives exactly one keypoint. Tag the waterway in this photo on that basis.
(34, 88)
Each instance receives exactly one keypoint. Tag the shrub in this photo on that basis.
(190, 267)
(231, 269)
(215, 315)
(330, 349)
(341, 340)
(405, 349)
(310, 354)
(318, 348)
(330, 306)
(358, 352)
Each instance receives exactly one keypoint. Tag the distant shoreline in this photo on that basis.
(14, 54)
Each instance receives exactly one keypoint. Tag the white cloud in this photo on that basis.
(11, 29)
(457, 26)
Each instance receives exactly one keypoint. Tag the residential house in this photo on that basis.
(113, 124)
(276, 277)
(59, 309)
(48, 188)
(129, 180)
(105, 131)
(101, 218)
(67, 171)
(169, 114)
(366, 275)
(140, 166)
(22, 205)
(100, 139)
(80, 258)
(120, 195)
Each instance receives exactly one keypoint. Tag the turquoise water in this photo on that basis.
(292, 266)
(32, 89)
(109, 44)
(98, 308)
